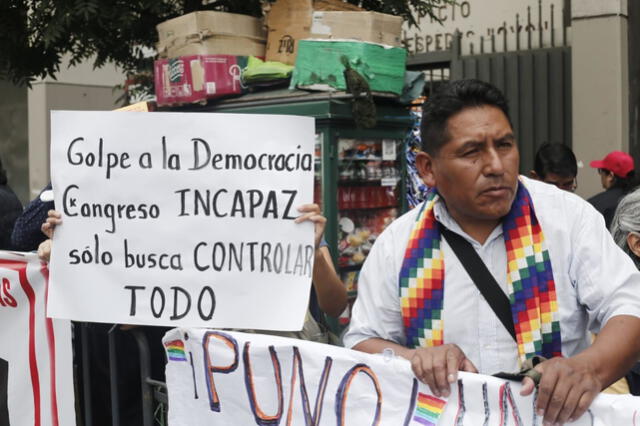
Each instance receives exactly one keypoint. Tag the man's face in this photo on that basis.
(476, 171)
(606, 178)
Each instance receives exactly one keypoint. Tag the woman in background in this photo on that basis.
(625, 228)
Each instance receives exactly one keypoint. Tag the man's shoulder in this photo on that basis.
(560, 210)
(545, 192)
(556, 204)
(606, 198)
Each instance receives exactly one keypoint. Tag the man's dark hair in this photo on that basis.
(555, 158)
(451, 98)
(626, 183)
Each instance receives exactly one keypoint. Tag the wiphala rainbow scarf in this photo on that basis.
(529, 277)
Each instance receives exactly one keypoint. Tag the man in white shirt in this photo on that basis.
(581, 280)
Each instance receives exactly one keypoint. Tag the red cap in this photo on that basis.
(620, 163)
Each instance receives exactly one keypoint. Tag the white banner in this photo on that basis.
(182, 219)
(230, 378)
(36, 373)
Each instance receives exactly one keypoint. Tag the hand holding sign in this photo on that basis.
(44, 250)
(569, 385)
(311, 212)
(229, 378)
(438, 367)
(181, 219)
(330, 291)
(566, 389)
(54, 219)
(48, 227)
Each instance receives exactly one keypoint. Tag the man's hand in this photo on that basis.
(49, 226)
(566, 389)
(438, 367)
(311, 212)
(44, 250)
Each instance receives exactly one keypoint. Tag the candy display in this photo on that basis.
(317, 167)
(358, 231)
(368, 197)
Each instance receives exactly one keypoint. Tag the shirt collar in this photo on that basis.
(443, 216)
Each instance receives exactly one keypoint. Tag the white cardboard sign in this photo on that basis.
(36, 372)
(230, 378)
(182, 218)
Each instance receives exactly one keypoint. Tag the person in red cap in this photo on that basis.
(616, 171)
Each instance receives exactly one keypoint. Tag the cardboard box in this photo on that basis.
(289, 21)
(362, 26)
(198, 78)
(215, 33)
(319, 65)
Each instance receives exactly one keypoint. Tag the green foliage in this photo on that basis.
(36, 34)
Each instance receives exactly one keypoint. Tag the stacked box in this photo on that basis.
(289, 21)
(215, 33)
(373, 27)
(198, 78)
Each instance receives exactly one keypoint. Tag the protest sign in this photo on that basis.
(36, 373)
(182, 218)
(230, 378)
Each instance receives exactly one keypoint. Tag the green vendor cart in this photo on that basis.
(360, 174)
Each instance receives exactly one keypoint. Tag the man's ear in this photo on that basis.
(424, 164)
(534, 175)
(612, 177)
(633, 241)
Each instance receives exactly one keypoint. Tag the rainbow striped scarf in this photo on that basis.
(529, 281)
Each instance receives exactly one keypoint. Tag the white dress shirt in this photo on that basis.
(594, 279)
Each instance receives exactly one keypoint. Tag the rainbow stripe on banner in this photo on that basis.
(175, 350)
(428, 409)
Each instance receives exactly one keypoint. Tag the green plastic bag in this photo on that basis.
(319, 65)
(261, 71)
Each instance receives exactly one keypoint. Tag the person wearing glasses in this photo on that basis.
(556, 164)
(616, 172)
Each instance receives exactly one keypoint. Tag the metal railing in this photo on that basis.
(153, 392)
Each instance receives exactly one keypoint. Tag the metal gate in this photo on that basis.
(537, 85)
(536, 82)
